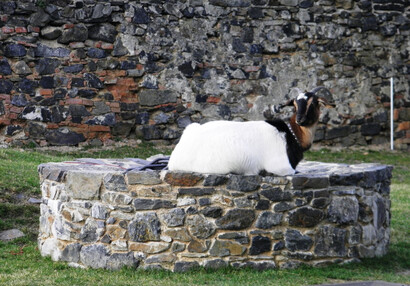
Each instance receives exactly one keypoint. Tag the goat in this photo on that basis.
(222, 147)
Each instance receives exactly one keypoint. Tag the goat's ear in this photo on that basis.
(325, 103)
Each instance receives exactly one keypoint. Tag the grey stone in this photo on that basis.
(260, 244)
(115, 182)
(200, 227)
(11, 234)
(196, 191)
(174, 217)
(99, 211)
(330, 242)
(103, 32)
(243, 183)
(268, 220)
(143, 178)
(305, 217)
(215, 264)
(119, 260)
(215, 180)
(276, 194)
(184, 266)
(343, 210)
(144, 227)
(225, 248)
(240, 237)
(94, 256)
(83, 185)
(147, 204)
(295, 241)
(79, 33)
(236, 219)
(213, 212)
(71, 252)
(153, 97)
(92, 230)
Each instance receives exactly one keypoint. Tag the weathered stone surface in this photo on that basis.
(143, 178)
(71, 252)
(84, 185)
(115, 183)
(268, 220)
(243, 183)
(236, 219)
(174, 217)
(343, 210)
(150, 247)
(119, 260)
(295, 241)
(182, 179)
(214, 212)
(78, 33)
(305, 217)
(147, 204)
(224, 248)
(7, 235)
(196, 191)
(260, 244)
(144, 227)
(185, 266)
(276, 194)
(200, 227)
(94, 256)
(330, 241)
(153, 97)
(62, 137)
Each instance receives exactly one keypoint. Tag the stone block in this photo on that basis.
(243, 183)
(94, 256)
(84, 185)
(330, 242)
(222, 248)
(267, 220)
(343, 210)
(183, 179)
(143, 178)
(305, 217)
(145, 227)
(236, 219)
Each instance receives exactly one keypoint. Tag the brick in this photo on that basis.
(7, 30)
(107, 46)
(70, 101)
(46, 92)
(213, 99)
(21, 30)
(88, 102)
(99, 128)
(403, 126)
(33, 29)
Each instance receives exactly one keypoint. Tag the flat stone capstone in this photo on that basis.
(105, 214)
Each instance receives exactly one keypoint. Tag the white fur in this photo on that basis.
(222, 147)
(302, 96)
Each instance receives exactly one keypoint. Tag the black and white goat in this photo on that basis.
(222, 147)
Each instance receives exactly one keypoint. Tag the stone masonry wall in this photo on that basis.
(87, 72)
(100, 216)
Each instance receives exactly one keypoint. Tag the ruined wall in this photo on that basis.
(101, 216)
(87, 72)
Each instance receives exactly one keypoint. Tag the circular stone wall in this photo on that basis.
(100, 214)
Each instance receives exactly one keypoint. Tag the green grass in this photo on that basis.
(22, 264)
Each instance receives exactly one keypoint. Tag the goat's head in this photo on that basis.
(307, 106)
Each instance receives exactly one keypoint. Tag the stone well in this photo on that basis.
(100, 215)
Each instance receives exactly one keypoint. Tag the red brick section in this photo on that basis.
(183, 179)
